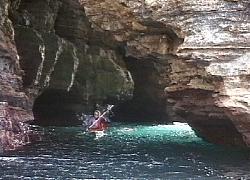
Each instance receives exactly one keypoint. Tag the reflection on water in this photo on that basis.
(125, 151)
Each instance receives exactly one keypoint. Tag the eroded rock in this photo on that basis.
(205, 79)
(14, 132)
(188, 59)
(63, 56)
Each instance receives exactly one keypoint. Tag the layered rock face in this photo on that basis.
(15, 106)
(183, 61)
(65, 61)
(145, 42)
(198, 53)
(53, 63)
(209, 86)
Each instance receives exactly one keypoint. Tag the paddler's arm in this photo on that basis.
(94, 123)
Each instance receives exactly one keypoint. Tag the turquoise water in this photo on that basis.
(125, 151)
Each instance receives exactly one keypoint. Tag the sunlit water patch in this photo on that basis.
(125, 151)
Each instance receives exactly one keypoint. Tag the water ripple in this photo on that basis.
(126, 151)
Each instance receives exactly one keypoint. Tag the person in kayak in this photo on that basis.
(97, 122)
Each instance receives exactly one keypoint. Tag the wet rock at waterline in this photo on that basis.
(15, 105)
(14, 133)
(184, 61)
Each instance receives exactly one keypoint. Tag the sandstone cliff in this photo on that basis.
(59, 51)
(198, 53)
(54, 63)
(182, 60)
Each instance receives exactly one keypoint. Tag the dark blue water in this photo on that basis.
(126, 151)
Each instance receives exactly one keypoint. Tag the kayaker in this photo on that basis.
(97, 122)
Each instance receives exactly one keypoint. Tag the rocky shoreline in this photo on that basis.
(14, 132)
(175, 60)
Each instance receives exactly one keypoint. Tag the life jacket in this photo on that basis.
(101, 125)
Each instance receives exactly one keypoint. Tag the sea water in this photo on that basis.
(125, 151)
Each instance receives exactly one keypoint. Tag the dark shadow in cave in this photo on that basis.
(56, 107)
(147, 103)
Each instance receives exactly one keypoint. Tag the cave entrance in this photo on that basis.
(56, 107)
(148, 102)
